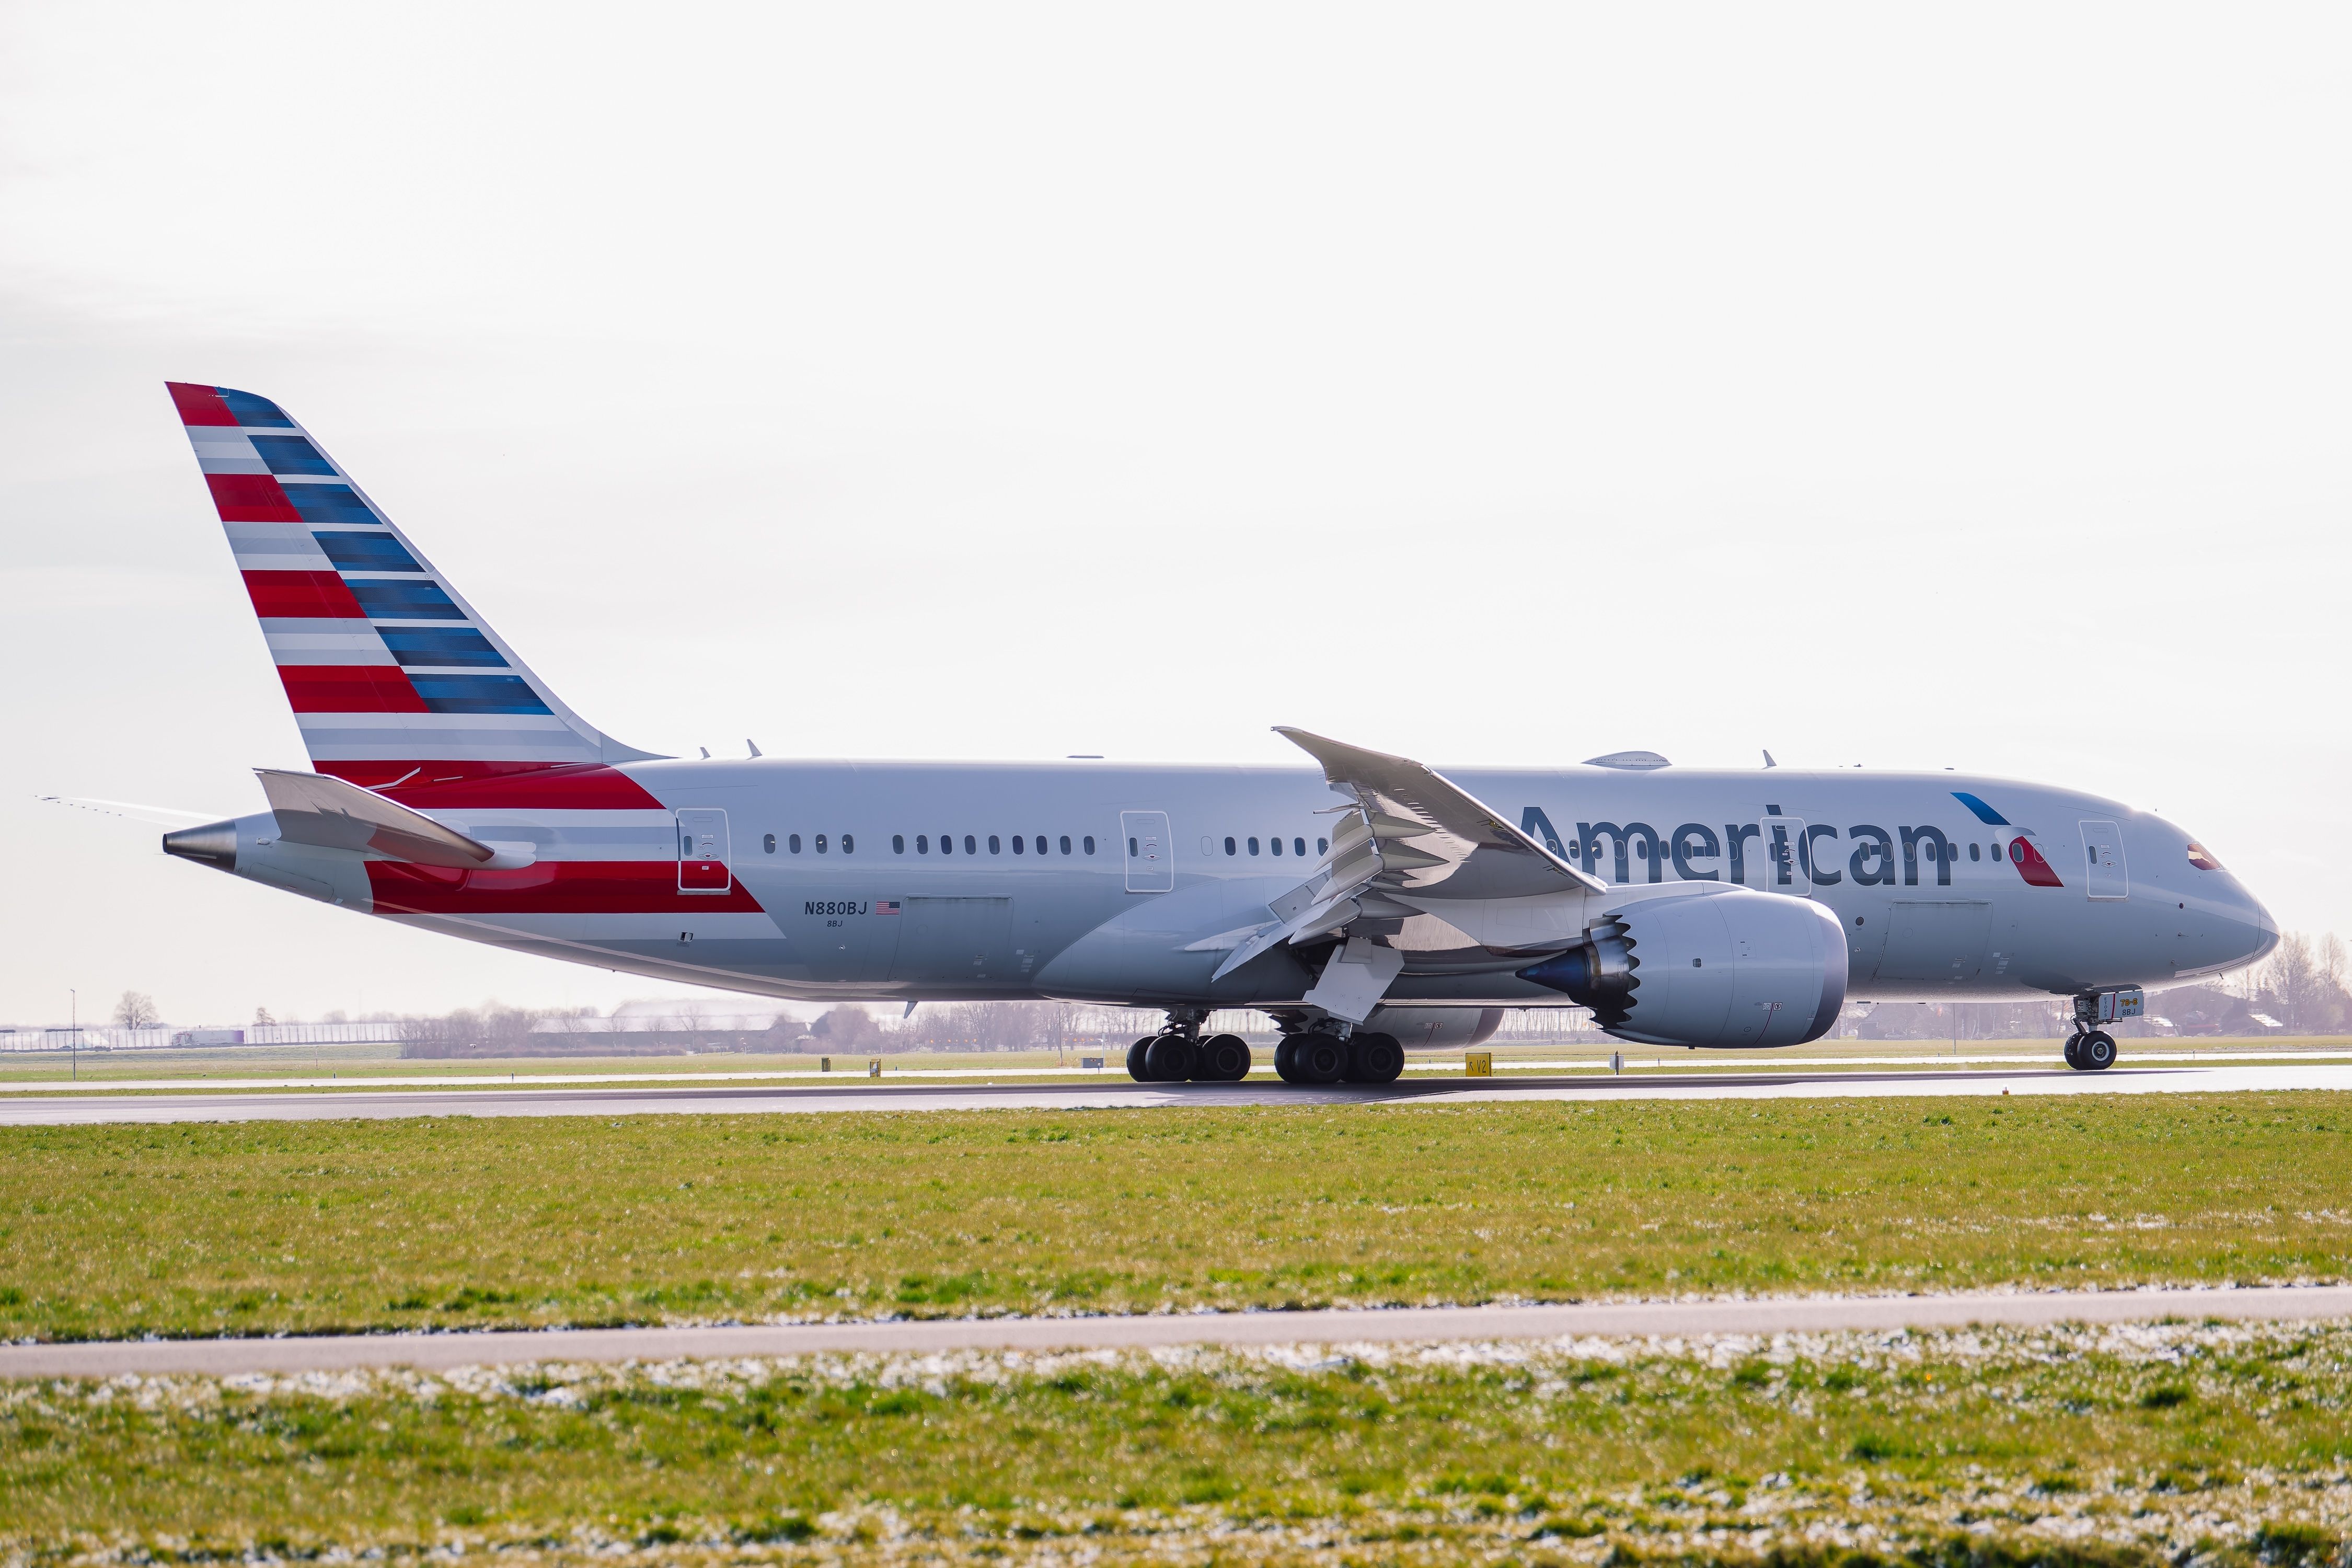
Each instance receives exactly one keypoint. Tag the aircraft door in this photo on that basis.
(2104, 875)
(1787, 862)
(702, 855)
(1151, 851)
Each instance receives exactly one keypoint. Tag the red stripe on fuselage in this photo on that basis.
(2031, 866)
(551, 888)
(514, 786)
(349, 689)
(422, 772)
(250, 497)
(199, 404)
(302, 597)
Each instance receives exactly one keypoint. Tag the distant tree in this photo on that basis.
(136, 1011)
(261, 1015)
(846, 1027)
(2305, 977)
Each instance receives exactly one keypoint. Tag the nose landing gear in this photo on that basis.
(2091, 1049)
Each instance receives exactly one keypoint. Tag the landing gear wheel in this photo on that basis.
(2074, 1052)
(2095, 1052)
(1285, 1059)
(1222, 1058)
(1322, 1057)
(1169, 1058)
(1136, 1069)
(1374, 1057)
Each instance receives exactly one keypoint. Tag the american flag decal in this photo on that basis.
(886, 906)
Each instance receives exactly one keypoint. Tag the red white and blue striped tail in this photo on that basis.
(395, 681)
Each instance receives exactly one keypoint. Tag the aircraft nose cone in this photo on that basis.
(2262, 929)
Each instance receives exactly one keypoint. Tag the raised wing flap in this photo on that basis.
(1430, 835)
(1418, 843)
(317, 808)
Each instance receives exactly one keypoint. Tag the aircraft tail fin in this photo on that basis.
(393, 679)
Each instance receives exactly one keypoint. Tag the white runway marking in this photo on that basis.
(1813, 1314)
(243, 1105)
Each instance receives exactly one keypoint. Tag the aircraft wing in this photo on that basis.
(329, 812)
(1417, 842)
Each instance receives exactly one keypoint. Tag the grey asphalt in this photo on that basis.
(50, 1109)
(1421, 1324)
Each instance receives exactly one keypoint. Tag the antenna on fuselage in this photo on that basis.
(1768, 762)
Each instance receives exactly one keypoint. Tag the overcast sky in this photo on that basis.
(1908, 386)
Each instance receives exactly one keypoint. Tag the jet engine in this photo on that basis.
(1733, 968)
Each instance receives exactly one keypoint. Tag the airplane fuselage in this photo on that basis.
(1110, 883)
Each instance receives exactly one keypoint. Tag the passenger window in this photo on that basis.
(1252, 843)
(1091, 843)
(1066, 844)
(1322, 847)
(820, 843)
(768, 844)
(1131, 846)
(848, 844)
(970, 847)
(993, 847)
(1229, 846)
(794, 843)
(922, 843)
(1298, 847)
(1016, 844)
(898, 844)
(1275, 845)
(1972, 852)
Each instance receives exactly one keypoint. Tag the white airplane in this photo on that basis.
(1361, 902)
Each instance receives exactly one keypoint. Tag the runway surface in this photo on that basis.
(1813, 1314)
(51, 1110)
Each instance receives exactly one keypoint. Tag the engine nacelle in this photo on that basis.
(1432, 1028)
(1732, 969)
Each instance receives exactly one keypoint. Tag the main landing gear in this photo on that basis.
(1309, 1053)
(1317, 1055)
(1178, 1052)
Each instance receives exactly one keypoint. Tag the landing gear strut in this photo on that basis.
(2092, 1049)
(1178, 1052)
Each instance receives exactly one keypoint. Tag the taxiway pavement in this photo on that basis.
(1801, 1314)
(53, 1109)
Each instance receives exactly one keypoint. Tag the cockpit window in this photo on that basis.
(2203, 859)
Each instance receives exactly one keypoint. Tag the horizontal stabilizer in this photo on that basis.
(332, 814)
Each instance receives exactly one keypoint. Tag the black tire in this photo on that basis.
(2074, 1052)
(1285, 1059)
(1374, 1057)
(1168, 1060)
(2097, 1051)
(1222, 1058)
(1322, 1057)
(1134, 1055)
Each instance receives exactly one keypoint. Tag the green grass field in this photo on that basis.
(303, 1228)
(2217, 1446)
